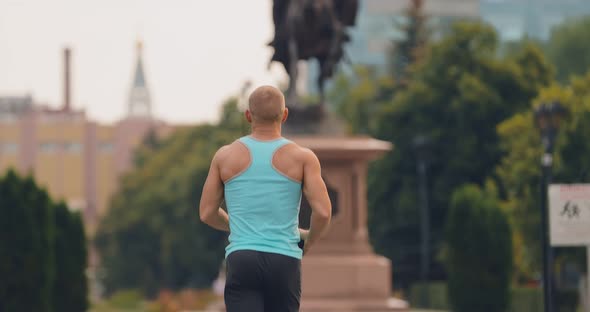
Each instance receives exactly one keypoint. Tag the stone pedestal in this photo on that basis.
(341, 273)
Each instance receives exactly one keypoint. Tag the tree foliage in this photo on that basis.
(359, 94)
(410, 49)
(358, 97)
(456, 98)
(27, 260)
(569, 48)
(70, 289)
(32, 250)
(479, 252)
(151, 238)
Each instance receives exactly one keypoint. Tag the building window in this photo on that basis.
(73, 147)
(7, 118)
(8, 148)
(105, 147)
(48, 147)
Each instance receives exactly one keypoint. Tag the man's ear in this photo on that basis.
(285, 115)
(248, 115)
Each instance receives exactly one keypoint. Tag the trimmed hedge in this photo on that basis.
(523, 299)
(42, 250)
(479, 259)
(431, 295)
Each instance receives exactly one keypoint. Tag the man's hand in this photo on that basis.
(303, 234)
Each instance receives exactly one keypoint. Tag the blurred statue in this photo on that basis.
(306, 29)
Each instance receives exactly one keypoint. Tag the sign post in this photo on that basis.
(569, 220)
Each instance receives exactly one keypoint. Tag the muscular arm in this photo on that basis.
(316, 193)
(209, 209)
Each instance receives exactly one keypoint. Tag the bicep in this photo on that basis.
(213, 184)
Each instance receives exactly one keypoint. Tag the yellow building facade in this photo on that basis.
(76, 159)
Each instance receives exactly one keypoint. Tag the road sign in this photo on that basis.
(569, 214)
(569, 219)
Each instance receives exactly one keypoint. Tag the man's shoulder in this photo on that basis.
(299, 151)
(227, 150)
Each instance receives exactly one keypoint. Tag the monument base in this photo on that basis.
(347, 283)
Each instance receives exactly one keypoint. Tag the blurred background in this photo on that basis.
(110, 112)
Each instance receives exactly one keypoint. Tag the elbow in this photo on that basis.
(321, 211)
(325, 214)
(205, 216)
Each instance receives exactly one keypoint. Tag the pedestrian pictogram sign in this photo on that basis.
(569, 214)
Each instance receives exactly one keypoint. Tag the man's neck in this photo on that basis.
(266, 132)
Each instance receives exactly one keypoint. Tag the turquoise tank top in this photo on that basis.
(263, 204)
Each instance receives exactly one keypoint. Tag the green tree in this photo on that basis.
(357, 97)
(26, 245)
(359, 94)
(412, 47)
(512, 47)
(70, 289)
(456, 98)
(150, 142)
(232, 118)
(151, 238)
(479, 252)
(569, 48)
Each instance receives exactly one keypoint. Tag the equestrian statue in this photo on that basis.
(308, 29)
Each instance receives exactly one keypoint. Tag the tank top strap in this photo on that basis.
(263, 151)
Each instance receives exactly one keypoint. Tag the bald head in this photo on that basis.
(266, 104)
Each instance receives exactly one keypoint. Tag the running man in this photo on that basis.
(261, 177)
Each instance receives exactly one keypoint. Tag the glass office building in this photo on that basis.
(515, 19)
(375, 30)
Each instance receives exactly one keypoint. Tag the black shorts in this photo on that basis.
(262, 282)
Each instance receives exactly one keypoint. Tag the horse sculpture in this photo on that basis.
(306, 29)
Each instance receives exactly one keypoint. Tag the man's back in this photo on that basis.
(288, 160)
(262, 177)
(263, 192)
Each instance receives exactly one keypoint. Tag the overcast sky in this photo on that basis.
(196, 52)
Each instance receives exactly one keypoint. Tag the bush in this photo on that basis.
(186, 300)
(526, 299)
(479, 252)
(432, 295)
(126, 299)
(70, 289)
(523, 299)
(42, 250)
(26, 245)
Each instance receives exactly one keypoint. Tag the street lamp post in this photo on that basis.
(547, 118)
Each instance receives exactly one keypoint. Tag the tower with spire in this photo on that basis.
(140, 104)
